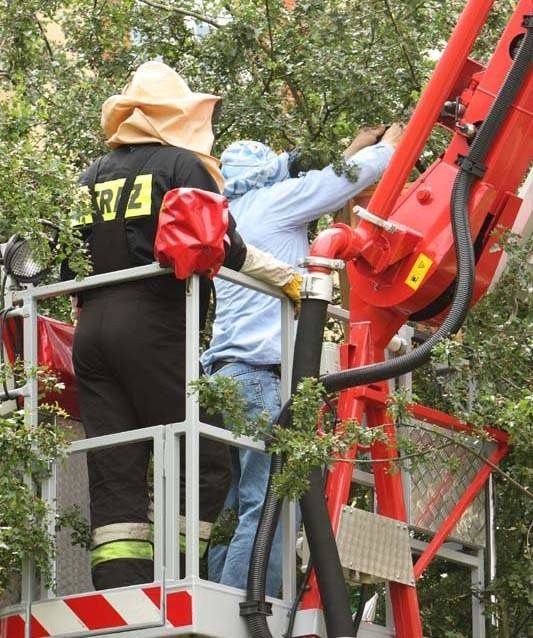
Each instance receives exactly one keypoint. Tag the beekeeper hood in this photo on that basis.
(158, 106)
(248, 164)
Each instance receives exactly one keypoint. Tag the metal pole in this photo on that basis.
(289, 508)
(390, 496)
(31, 404)
(192, 434)
(478, 584)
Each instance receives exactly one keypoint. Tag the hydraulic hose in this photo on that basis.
(322, 544)
(461, 232)
(255, 610)
(337, 613)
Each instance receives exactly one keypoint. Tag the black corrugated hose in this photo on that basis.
(337, 613)
(255, 610)
(307, 362)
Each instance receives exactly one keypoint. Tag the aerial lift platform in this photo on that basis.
(404, 263)
(186, 604)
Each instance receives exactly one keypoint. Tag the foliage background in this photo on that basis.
(304, 76)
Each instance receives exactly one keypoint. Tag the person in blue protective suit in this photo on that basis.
(272, 211)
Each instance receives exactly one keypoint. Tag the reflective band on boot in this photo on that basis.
(122, 549)
(121, 532)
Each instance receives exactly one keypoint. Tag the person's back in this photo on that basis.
(272, 212)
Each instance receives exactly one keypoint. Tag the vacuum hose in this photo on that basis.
(322, 545)
(338, 618)
(309, 335)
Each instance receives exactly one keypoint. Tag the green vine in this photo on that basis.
(26, 454)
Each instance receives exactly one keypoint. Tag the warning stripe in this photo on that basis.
(96, 612)
(13, 627)
(57, 618)
(117, 608)
(134, 606)
(179, 605)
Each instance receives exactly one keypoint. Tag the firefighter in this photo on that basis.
(129, 344)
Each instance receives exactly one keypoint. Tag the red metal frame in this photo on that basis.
(438, 90)
(391, 280)
(371, 402)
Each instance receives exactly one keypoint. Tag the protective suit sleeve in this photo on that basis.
(267, 268)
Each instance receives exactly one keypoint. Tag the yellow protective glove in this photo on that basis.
(267, 268)
(292, 289)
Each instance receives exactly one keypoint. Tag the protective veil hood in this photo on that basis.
(248, 164)
(158, 106)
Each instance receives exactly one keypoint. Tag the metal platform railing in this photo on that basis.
(165, 437)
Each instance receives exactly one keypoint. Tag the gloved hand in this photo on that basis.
(292, 289)
(267, 268)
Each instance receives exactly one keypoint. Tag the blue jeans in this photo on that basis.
(228, 564)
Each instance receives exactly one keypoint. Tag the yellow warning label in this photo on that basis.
(418, 271)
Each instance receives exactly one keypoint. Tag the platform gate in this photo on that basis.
(185, 604)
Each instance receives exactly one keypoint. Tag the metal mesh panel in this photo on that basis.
(13, 595)
(436, 484)
(73, 562)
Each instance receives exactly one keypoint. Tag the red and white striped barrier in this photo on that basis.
(89, 612)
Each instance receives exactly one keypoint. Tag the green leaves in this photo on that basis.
(223, 395)
(312, 440)
(23, 531)
(25, 455)
(35, 183)
(484, 376)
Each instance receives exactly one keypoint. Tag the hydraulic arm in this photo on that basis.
(427, 256)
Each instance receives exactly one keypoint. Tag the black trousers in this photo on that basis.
(129, 359)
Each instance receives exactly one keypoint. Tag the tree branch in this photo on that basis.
(183, 12)
(451, 439)
(269, 26)
(402, 43)
(399, 459)
(43, 34)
